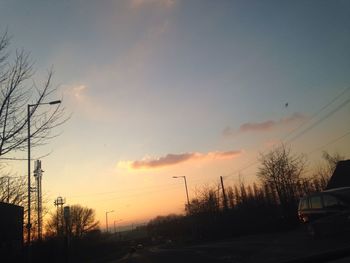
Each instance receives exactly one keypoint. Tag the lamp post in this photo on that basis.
(29, 188)
(184, 177)
(107, 212)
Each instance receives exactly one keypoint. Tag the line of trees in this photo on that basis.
(270, 205)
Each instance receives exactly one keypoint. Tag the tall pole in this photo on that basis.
(184, 177)
(107, 221)
(223, 193)
(8, 189)
(107, 218)
(28, 122)
(188, 199)
(29, 224)
(59, 202)
(38, 176)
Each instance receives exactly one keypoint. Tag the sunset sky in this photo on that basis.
(163, 88)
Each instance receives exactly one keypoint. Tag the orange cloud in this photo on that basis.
(174, 159)
(265, 125)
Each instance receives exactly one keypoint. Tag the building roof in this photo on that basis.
(341, 176)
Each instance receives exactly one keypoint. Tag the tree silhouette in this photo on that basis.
(17, 90)
(281, 170)
(81, 221)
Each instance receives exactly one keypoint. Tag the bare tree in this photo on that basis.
(12, 189)
(332, 160)
(282, 171)
(82, 220)
(206, 201)
(324, 171)
(17, 90)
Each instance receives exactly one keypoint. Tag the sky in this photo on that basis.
(163, 88)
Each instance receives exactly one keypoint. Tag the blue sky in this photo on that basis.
(148, 78)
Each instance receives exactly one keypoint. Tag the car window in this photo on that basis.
(330, 201)
(316, 202)
(303, 204)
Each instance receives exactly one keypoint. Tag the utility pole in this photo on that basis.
(38, 175)
(224, 193)
(59, 202)
(107, 212)
(29, 225)
(66, 216)
(188, 199)
(8, 189)
(29, 114)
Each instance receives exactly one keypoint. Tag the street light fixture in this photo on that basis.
(55, 102)
(184, 177)
(29, 225)
(107, 212)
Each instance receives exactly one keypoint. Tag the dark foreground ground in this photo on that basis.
(293, 246)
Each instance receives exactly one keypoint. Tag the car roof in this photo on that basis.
(339, 189)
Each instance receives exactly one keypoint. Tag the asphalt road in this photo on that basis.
(156, 255)
(279, 247)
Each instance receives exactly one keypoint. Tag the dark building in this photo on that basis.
(341, 175)
(11, 231)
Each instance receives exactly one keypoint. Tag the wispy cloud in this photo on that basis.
(79, 92)
(161, 3)
(175, 159)
(80, 100)
(265, 125)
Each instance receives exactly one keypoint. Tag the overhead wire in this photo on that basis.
(329, 114)
(155, 187)
(315, 114)
(136, 195)
(250, 164)
(330, 142)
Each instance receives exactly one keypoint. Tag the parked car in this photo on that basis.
(326, 212)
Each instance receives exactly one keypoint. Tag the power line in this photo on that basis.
(25, 159)
(124, 190)
(320, 120)
(330, 142)
(315, 150)
(156, 187)
(173, 186)
(317, 112)
(343, 104)
(131, 196)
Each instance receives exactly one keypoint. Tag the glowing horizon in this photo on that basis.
(163, 88)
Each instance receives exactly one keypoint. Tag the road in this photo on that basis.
(156, 255)
(279, 247)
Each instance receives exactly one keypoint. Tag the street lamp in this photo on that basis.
(107, 212)
(28, 122)
(184, 177)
